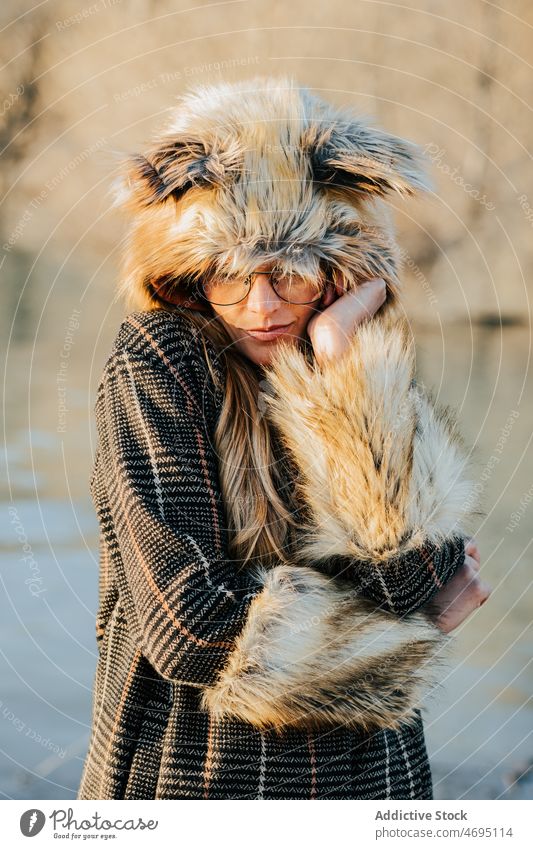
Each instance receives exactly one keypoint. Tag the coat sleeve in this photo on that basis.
(382, 469)
(273, 647)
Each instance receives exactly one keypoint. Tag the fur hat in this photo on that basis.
(255, 171)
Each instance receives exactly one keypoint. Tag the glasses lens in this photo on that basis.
(224, 292)
(295, 289)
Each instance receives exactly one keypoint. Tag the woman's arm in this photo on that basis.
(411, 579)
(156, 478)
(285, 646)
(382, 468)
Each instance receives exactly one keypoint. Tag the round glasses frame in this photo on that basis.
(247, 282)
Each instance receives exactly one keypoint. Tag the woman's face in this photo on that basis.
(261, 309)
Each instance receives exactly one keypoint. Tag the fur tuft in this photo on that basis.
(263, 170)
(313, 654)
(382, 469)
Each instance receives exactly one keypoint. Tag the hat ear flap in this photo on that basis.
(139, 184)
(170, 168)
(358, 158)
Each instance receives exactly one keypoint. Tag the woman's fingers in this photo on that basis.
(460, 597)
(484, 592)
(472, 550)
(471, 545)
(479, 589)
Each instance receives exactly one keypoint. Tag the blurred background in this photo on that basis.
(83, 82)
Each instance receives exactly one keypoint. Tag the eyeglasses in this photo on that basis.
(289, 287)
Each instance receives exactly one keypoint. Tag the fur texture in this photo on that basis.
(261, 170)
(382, 468)
(313, 653)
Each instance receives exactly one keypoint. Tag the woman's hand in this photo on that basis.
(331, 329)
(462, 595)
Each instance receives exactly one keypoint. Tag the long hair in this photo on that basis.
(256, 473)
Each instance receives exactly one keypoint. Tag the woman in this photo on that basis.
(284, 513)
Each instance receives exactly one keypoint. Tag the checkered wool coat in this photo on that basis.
(283, 683)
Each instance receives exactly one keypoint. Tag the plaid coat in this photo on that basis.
(302, 681)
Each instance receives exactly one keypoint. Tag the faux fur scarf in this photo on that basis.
(383, 471)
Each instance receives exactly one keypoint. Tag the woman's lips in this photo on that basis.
(265, 335)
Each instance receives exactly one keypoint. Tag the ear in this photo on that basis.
(358, 158)
(171, 167)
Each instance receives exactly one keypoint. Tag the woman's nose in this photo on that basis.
(262, 297)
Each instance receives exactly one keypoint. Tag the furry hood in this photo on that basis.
(255, 171)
